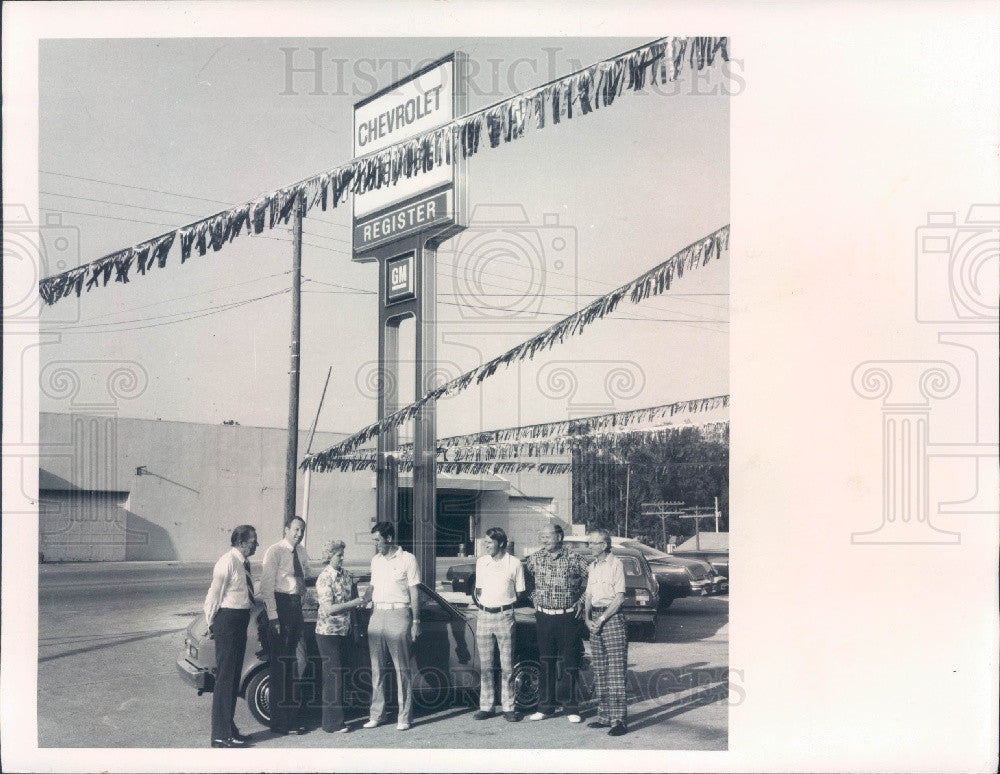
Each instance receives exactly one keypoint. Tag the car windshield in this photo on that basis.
(648, 551)
(631, 565)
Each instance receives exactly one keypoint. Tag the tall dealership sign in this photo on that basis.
(400, 227)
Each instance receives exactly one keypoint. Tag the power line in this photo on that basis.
(135, 187)
(209, 312)
(190, 295)
(118, 204)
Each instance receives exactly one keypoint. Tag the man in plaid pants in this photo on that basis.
(499, 580)
(608, 641)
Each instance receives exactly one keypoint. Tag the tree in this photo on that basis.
(685, 466)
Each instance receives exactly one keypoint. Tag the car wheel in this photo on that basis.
(665, 602)
(527, 680)
(647, 631)
(258, 695)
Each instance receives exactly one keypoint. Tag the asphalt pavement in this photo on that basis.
(109, 636)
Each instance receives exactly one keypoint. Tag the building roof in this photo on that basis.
(707, 541)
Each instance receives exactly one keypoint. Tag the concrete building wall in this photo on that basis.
(82, 526)
(197, 483)
(186, 485)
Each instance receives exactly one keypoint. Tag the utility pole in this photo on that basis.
(628, 482)
(663, 510)
(292, 457)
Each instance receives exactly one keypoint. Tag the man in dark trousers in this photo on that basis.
(559, 578)
(228, 604)
(282, 584)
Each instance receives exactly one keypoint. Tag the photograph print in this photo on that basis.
(384, 392)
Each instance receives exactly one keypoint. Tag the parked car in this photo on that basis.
(679, 576)
(642, 592)
(446, 668)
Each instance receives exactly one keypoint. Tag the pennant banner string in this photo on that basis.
(655, 281)
(550, 438)
(584, 91)
(497, 462)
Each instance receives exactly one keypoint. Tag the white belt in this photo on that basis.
(391, 605)
(554, 611)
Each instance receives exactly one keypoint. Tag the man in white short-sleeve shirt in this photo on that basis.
(499, 580)
(394, 624)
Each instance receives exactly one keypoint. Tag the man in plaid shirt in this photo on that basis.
(558, 577)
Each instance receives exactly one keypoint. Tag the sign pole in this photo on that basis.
(425, 422)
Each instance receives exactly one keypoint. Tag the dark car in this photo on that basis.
(679, 576)
(446, 668)
(642, 592)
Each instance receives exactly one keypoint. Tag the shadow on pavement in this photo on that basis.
(100, 646)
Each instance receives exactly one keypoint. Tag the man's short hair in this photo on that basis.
(242, 534)
(555, 528)
(385, 529)
(290, 519)
(604, 535)
(497, 534)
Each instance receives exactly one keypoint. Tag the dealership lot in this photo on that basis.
(109, 637)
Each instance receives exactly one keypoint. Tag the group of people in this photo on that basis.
(564, 588)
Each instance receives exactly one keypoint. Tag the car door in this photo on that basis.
(444, 653)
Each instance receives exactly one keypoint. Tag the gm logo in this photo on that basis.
(399, 278)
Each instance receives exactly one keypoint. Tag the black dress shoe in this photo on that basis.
(618, 729)
(228, 743)
(239, 737)
(598, 724)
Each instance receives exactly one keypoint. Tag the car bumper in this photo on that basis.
(200, 678)
(640, 615)
(701, 588)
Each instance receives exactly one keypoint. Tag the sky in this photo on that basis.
(138, 136)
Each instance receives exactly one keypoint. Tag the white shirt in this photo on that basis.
(499, 580)
(279, 574)
(229, 585)
(392, 576)
(605, 580)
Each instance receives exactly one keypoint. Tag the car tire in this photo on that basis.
(257, 694)
(665, 602)
(647, 631)
(527, 680)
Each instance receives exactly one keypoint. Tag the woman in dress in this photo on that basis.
(337, 593)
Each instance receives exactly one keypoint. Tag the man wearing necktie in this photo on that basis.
(282, 584)
(228, 604)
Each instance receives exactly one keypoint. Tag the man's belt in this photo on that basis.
(598, 609)
(554, 611)
(391, 605)
(287, 594)
(495, 609)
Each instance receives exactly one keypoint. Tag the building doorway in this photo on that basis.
(456, 508)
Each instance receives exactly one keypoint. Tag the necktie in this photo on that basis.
(299, 575)
(246, 568)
